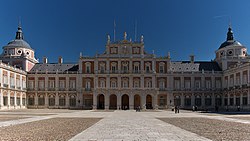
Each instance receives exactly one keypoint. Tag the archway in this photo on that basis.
(125, 102)
(113, 102)
(137, 101)
(149, 102)
(100, 101)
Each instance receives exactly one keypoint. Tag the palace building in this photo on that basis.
(125, 76)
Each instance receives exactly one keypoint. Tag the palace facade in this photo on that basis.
(125, 76)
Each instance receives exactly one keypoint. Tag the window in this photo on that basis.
(187, 101)
(18, 101)
(147, 69)
(218, 83)
(61, 84)
(23, 101)
(177, 84)
(88, 69)
(136, 84)
(161, 84)
(161, 69)
(24, 84)
(41, 84)
(197, 84)
(51, 84)
(102, 83)
(88, 66)
(113, 84)
(125, 83)
(148, 84)
(87, 85)
(187, 84)
(41, 100)
(62, 101)
(5, 79)
(136, 68)
(237, 80)
(72, 84)
(12, 83)
(51, 101)
(5, 100)
(72, 101)
(208, 84)
(102, 68)
(12, 101)
(244, 100)
(31, 84)
(31, 101)
(208, 101)
(244, 79)
(198, 101)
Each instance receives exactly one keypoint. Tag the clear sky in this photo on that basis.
(182, 27)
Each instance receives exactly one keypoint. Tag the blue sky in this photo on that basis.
(182, 27)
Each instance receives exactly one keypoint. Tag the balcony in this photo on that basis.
(12, 86)
(30, 89)
(87, 89)
(18, 87)
(72, 89)
(5, 85)
(41, 89)
(51, 89)
(162, 89)
(61, 89)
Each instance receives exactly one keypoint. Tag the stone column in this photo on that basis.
(241, 100)
(57, 100)
(46, 83)
(182, 83)
(203, 100)
(182, 100)
(213, 100)
(130, 82)
(142, 82)
(131, 101)
(67, 100)
(8, 99)
(107, 101)
(155, 99)
(192, 100)
(15, 97)
(36, 99)
(248, 97)
(46, 100)
(119, 81)
(119, 101)
(1, 98)
(94, 101)
(143, 101)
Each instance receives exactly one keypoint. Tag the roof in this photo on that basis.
(227, 43)
(53, 67)
(206, 65)
(18, 43)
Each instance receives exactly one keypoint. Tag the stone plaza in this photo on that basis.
(122, 125)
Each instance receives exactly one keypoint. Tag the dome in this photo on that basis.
(230, 40)
(18, 43)
(227, 43)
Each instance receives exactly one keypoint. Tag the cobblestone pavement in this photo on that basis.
(130, 125)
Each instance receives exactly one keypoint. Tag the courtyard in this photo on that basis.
(102, 125)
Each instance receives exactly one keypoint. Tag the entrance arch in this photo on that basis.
(149, 102)
(137, 101)
(125, 102)
(100, 101)
(113, 102)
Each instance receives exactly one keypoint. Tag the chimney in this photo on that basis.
(45, 60)
(192, 58)
(60, 60)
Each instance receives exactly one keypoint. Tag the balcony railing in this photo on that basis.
(5, 85)
(51, 89)
(87, 89)
(72, 89)
(12, 86)
(61, 89)
(18, 87)
(41, 89)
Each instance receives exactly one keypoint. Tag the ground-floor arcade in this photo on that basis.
(11, 99)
